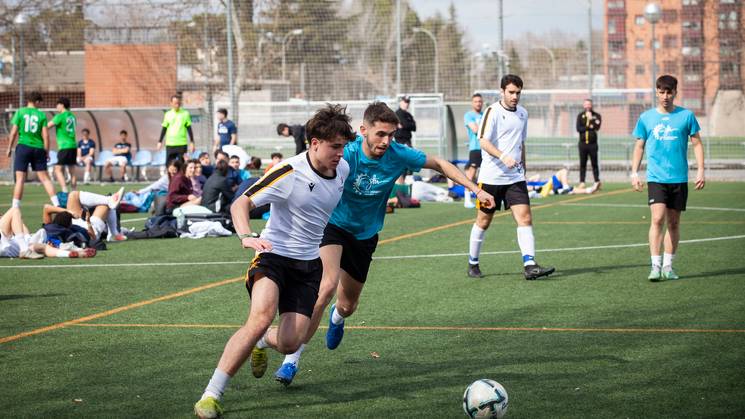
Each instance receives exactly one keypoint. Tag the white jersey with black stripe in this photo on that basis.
(302, 200)
(506, 130)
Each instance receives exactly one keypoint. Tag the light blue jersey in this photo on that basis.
(361, 210)
(666, 143)
(473, 139)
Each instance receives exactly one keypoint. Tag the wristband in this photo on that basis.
(245, 236)
(634, 174)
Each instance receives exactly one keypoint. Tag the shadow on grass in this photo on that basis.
(734, 271)
(562, 273)
(23, 296)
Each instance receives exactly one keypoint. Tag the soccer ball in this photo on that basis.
(485, 399)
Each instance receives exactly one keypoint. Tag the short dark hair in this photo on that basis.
(219, 152)
(254, 163)
(328, 123)
(204, 154)
(221, 167)
(667, 82)
(379, 112)
(64, 102)
(34, 97)
(176, 96)
(405, 99)
(277, 155)
(234, 157)
(223, 111)
(124, 131)
(85, 130)
(511, 79)
(177, 163)
(63, 219)
(477, 95)
(281, 127)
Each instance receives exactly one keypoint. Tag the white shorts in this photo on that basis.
(82, 160)
(117, 160)
(9, 248)
(99, 226)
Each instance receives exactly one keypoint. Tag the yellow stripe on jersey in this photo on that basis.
(484, 121)
(268, 180)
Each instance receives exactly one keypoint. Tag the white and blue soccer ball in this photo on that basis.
(485, 399)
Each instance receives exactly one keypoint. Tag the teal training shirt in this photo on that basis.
(361, 210)
(666, 143)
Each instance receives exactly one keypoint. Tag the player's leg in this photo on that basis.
(656, 227)
(108, 169)
(582, 165)
(48, 186)
(73, 177)
(123, 173)
(478, 230)
(59, 175)
(519, 203)
(595, 164)
(88, 168)
(670, 242)
(264, 300)
(74, 205)
(331, 260)
(18, 188)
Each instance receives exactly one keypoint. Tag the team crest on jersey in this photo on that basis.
(311, 185)
(363, 184)
(663, 132)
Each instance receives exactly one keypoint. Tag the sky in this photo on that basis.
(478, 17)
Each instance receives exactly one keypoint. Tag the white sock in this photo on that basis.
(527, 244)
(21, 242)
(475, 242)
(261, 344)
(467, 197)
(217, 384)
(62, 253)
(89, 199)
(656, 262)
(16, 203)
(295, 356)
(86, 177)
(336, 318)
(111, 223)
(667, 260)
(55, 200)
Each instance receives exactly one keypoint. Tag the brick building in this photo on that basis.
(700, 42)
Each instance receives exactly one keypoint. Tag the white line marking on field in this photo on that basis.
(132, 220)
(647, 206)
(233, 262)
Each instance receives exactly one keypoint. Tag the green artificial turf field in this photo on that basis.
(137, 331)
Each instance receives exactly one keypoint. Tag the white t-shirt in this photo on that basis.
(506, 130)
(8, 247)
(302, 201)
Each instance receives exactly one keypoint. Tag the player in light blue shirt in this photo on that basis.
(349, 241)
(472, 121)
(663, 132)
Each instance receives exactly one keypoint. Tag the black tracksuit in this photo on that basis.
(408, 125)
(588, 143)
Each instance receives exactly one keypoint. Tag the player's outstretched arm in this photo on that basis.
(239, 211)
(698, 152)
(487, 146)
(636, 161)
(453, 173)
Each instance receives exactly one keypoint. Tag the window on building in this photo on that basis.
(669, 15)
(656, 44)
(690, 2)
(692, 77)
(670, 41)
(727, 1)
(671, 67)
(639, 20)
(639, 44)
(691, 51)
(732, 24)
(639, 69)
(611, 27)
(692, 25)
(615, 4)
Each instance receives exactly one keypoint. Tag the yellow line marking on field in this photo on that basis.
(430, 328)
(232, 280)
(118, 310)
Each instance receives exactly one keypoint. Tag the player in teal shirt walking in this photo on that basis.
(663, 132)
(29, 126)
(351, 236)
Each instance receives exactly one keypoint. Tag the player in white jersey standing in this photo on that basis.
(502, 137)
(286, 272)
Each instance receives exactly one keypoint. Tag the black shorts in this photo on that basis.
(673, 195)
(25, 155)
(356, 255)
(474, 159)
(67, 157)
(298, 280)
(514, 194)
(175, 151)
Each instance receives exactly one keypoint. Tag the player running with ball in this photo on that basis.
(350, 239)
